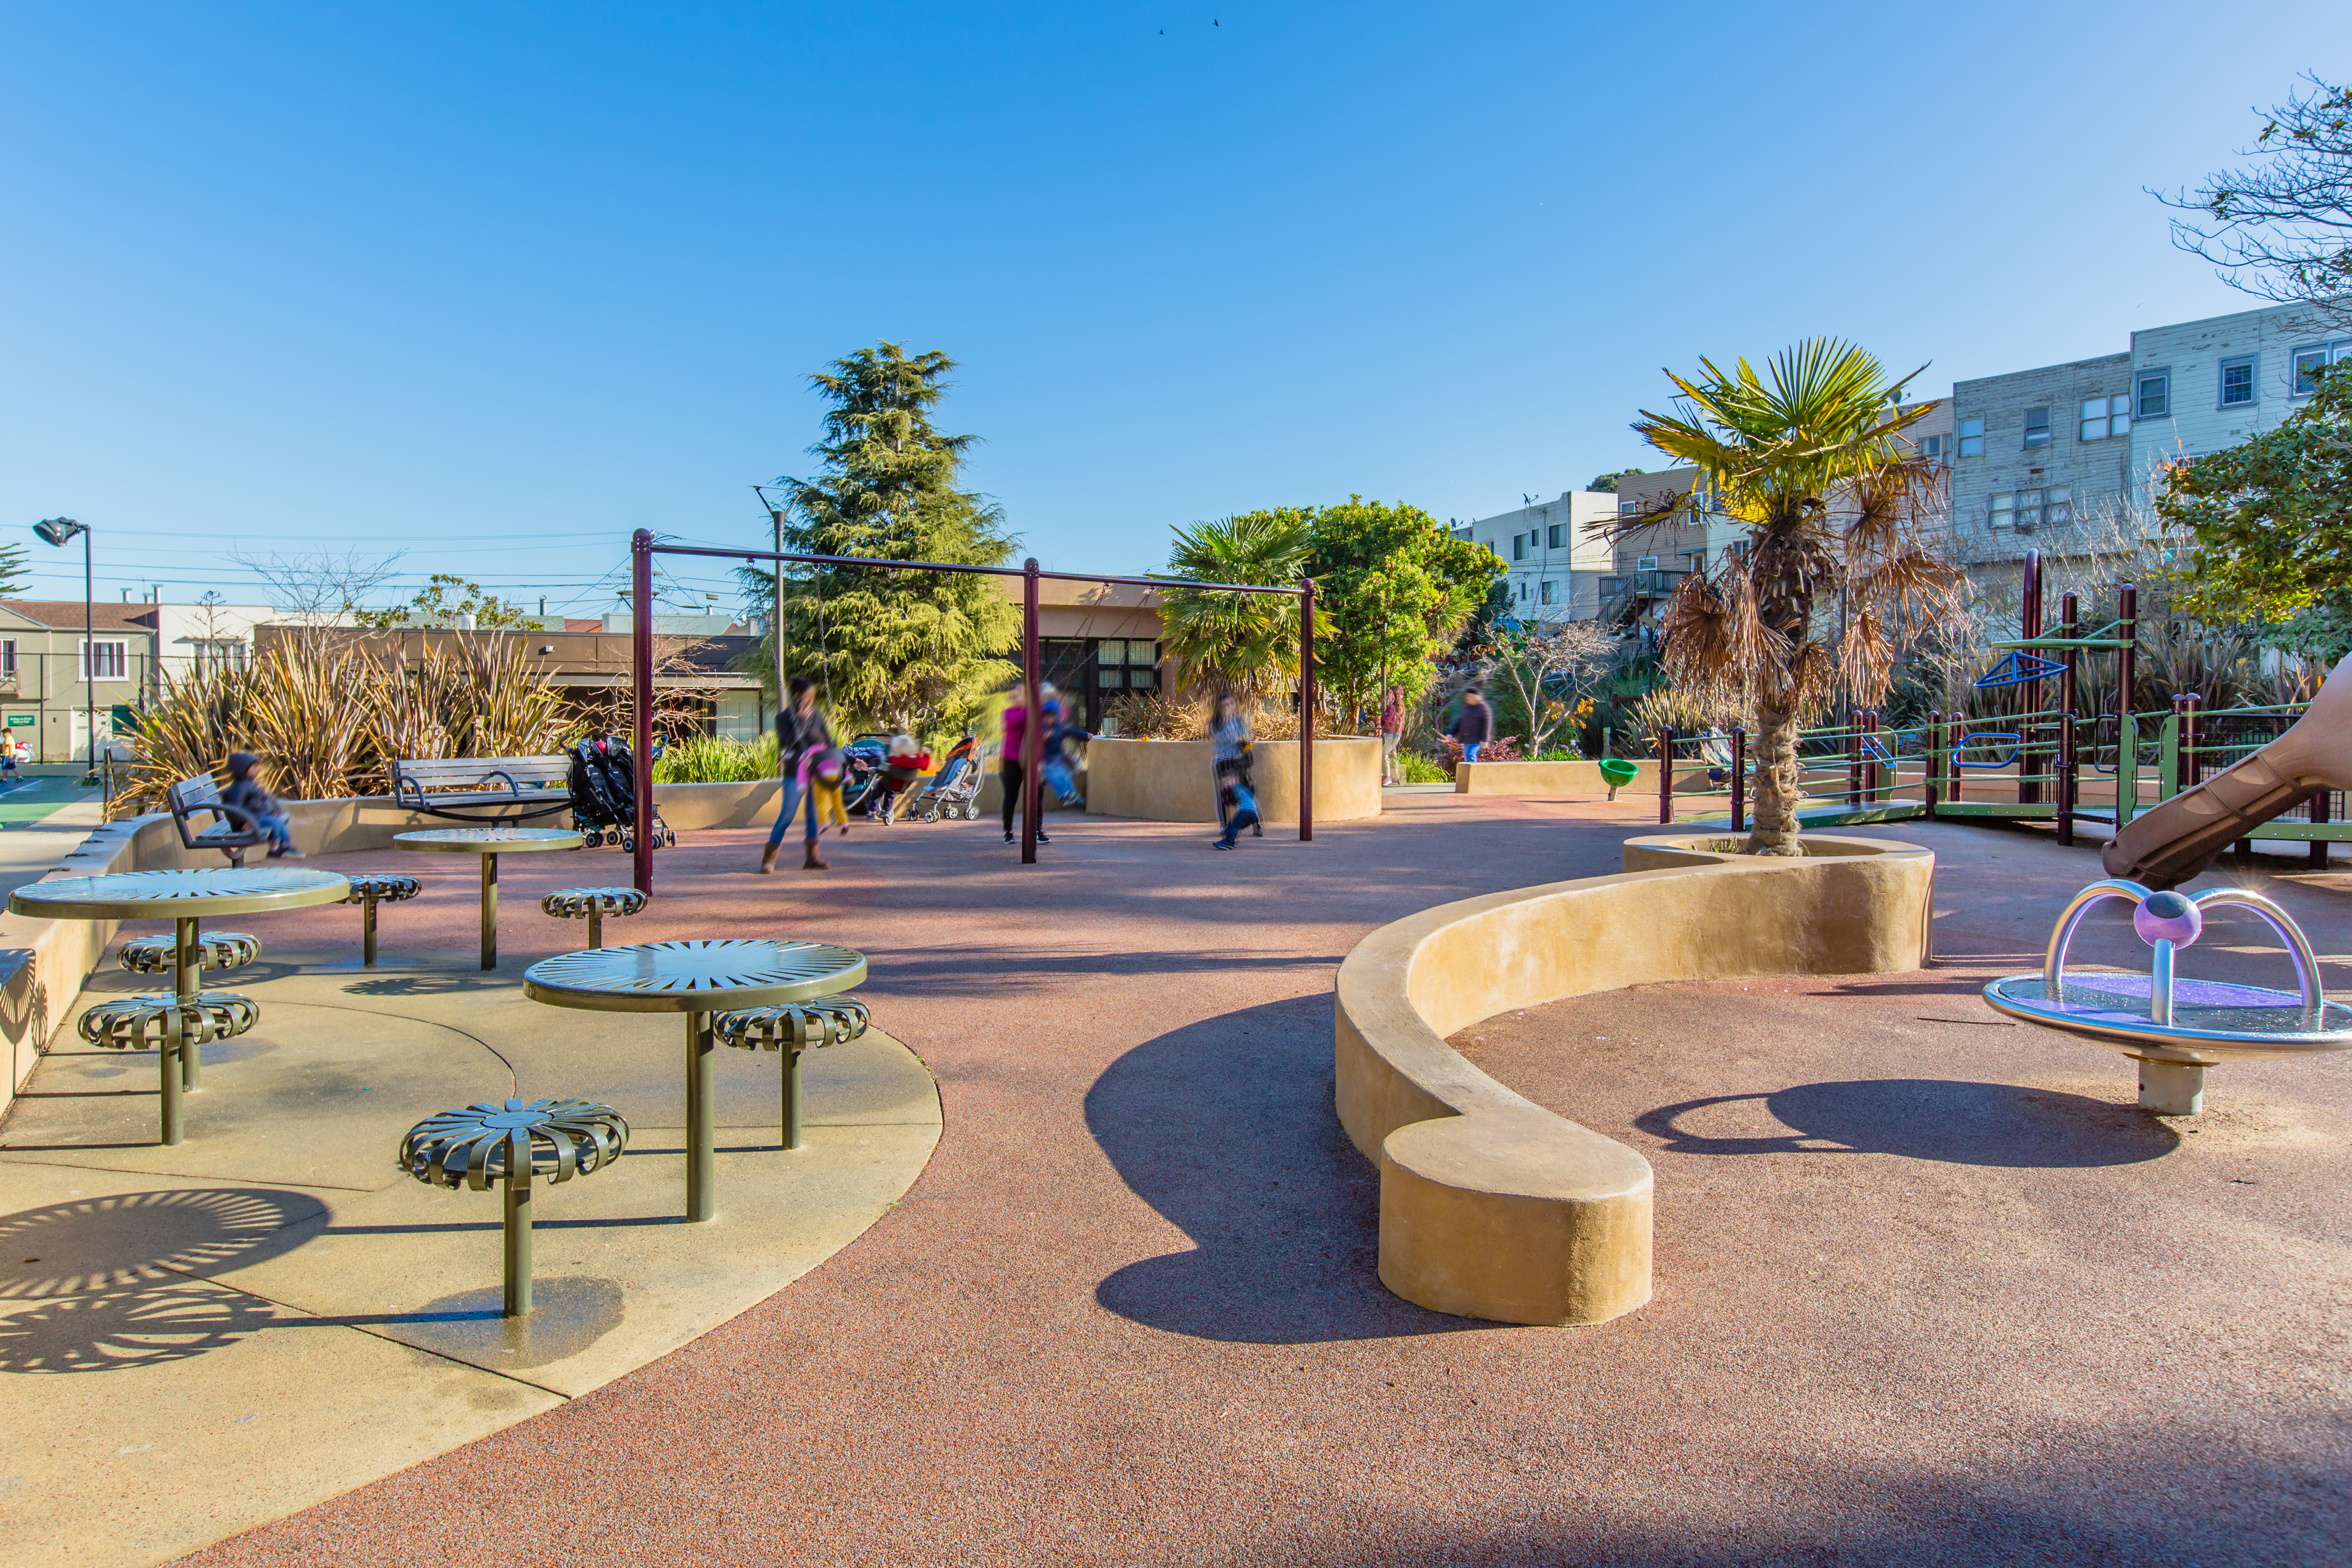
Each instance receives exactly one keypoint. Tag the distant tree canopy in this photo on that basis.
(918, 650)
(1609, 481)
(2271, 516)
(1393, 589)
(443, 601)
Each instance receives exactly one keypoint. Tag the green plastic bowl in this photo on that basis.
(1619, 772)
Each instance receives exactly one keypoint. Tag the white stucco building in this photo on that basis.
(1556, 556)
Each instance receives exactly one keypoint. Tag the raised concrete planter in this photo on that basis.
(1172, 781)
(1492, 1207)
(1578, 778)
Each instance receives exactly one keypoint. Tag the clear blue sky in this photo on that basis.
(492, 285)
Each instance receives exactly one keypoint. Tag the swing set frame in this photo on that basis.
(642, 548)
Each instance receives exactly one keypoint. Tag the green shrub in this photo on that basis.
(1419, 769)
(713, 759)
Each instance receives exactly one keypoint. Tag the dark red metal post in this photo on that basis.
(2127, 691)
(1665, 777)
(1307, 710)
(2069, 626)
(1033, 743)
(1854, 756)
(1931, 787)
(641, 681)
(2029, 692)
(1739, 779)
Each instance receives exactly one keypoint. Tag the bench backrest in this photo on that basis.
(528, 774)
(196, 794)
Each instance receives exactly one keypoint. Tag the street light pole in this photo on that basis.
(59, 531)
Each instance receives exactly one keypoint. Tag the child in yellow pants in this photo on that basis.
(822, 773)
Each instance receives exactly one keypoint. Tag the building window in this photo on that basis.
(2060, 509)
(103, 661)
(1556, 537)
(2037, 426)
(2106, 416)
(2238, 383)
(1518, 547)
(2005, 509)
(2312, 357)
(1930, 447)
(2155, 395)
(213, 656)
(8, 656)
(1549, 588)
(1971, 438)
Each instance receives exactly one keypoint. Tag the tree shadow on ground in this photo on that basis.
(1226, 1127)
(1956, 1122)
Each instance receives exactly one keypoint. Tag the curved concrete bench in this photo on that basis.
(1492, 1207)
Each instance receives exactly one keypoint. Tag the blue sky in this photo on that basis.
(492, 285)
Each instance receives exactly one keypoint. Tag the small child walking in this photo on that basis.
(822, 772)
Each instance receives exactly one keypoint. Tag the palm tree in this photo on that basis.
(1247, 642)
(1807, 458)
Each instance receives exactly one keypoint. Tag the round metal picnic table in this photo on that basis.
(697, 979)
(489, 843)
(184, 898)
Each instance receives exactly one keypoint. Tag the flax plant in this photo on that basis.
(1836, 580)
(306, 714)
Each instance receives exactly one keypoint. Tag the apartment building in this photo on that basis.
(2199, 386)
(1648, 564)
(1555, 555)
(2067, 458)
(2033, 453)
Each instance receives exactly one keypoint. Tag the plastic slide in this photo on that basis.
(2176, 839)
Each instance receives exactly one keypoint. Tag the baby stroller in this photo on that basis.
(954, 790)
(603, 784)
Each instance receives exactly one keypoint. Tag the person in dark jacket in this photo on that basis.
(1474, 724)
(246, 793)
(800, 729)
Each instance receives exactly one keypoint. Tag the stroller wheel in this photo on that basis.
(628, 841)
(593, 839)
(670, 837)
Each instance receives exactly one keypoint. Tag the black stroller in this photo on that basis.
(604, 794)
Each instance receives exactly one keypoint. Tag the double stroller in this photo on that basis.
(603, 783)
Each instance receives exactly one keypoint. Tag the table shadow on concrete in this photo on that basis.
(1952, 1121)
(109, 1275)
(1226, 1128)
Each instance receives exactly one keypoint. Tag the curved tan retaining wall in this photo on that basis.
(1492, 1207)
(1170, 781)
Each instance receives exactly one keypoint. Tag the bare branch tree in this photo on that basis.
(2281, 227)
(320, 588)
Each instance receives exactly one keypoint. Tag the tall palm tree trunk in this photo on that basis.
(1779, 780)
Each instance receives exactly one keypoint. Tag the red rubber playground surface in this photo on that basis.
(1929, 1289)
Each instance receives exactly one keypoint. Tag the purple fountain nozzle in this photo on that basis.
(2168, 917)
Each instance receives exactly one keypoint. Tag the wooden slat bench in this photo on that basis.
(483, 789)
(232, 832)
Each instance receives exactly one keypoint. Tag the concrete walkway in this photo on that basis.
(1129, 1313)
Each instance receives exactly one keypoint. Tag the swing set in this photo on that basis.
(642, 548)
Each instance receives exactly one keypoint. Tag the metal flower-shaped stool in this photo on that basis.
(793, 1028)
(369, 890)
(144, 1023)
(570, 903)
(515, 1142)
(213, 950)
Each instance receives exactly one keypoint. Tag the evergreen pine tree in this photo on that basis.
(918, 650)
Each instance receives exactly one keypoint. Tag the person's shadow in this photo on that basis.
(1226, 1127)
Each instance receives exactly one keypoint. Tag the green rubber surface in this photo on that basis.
(35, 798)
